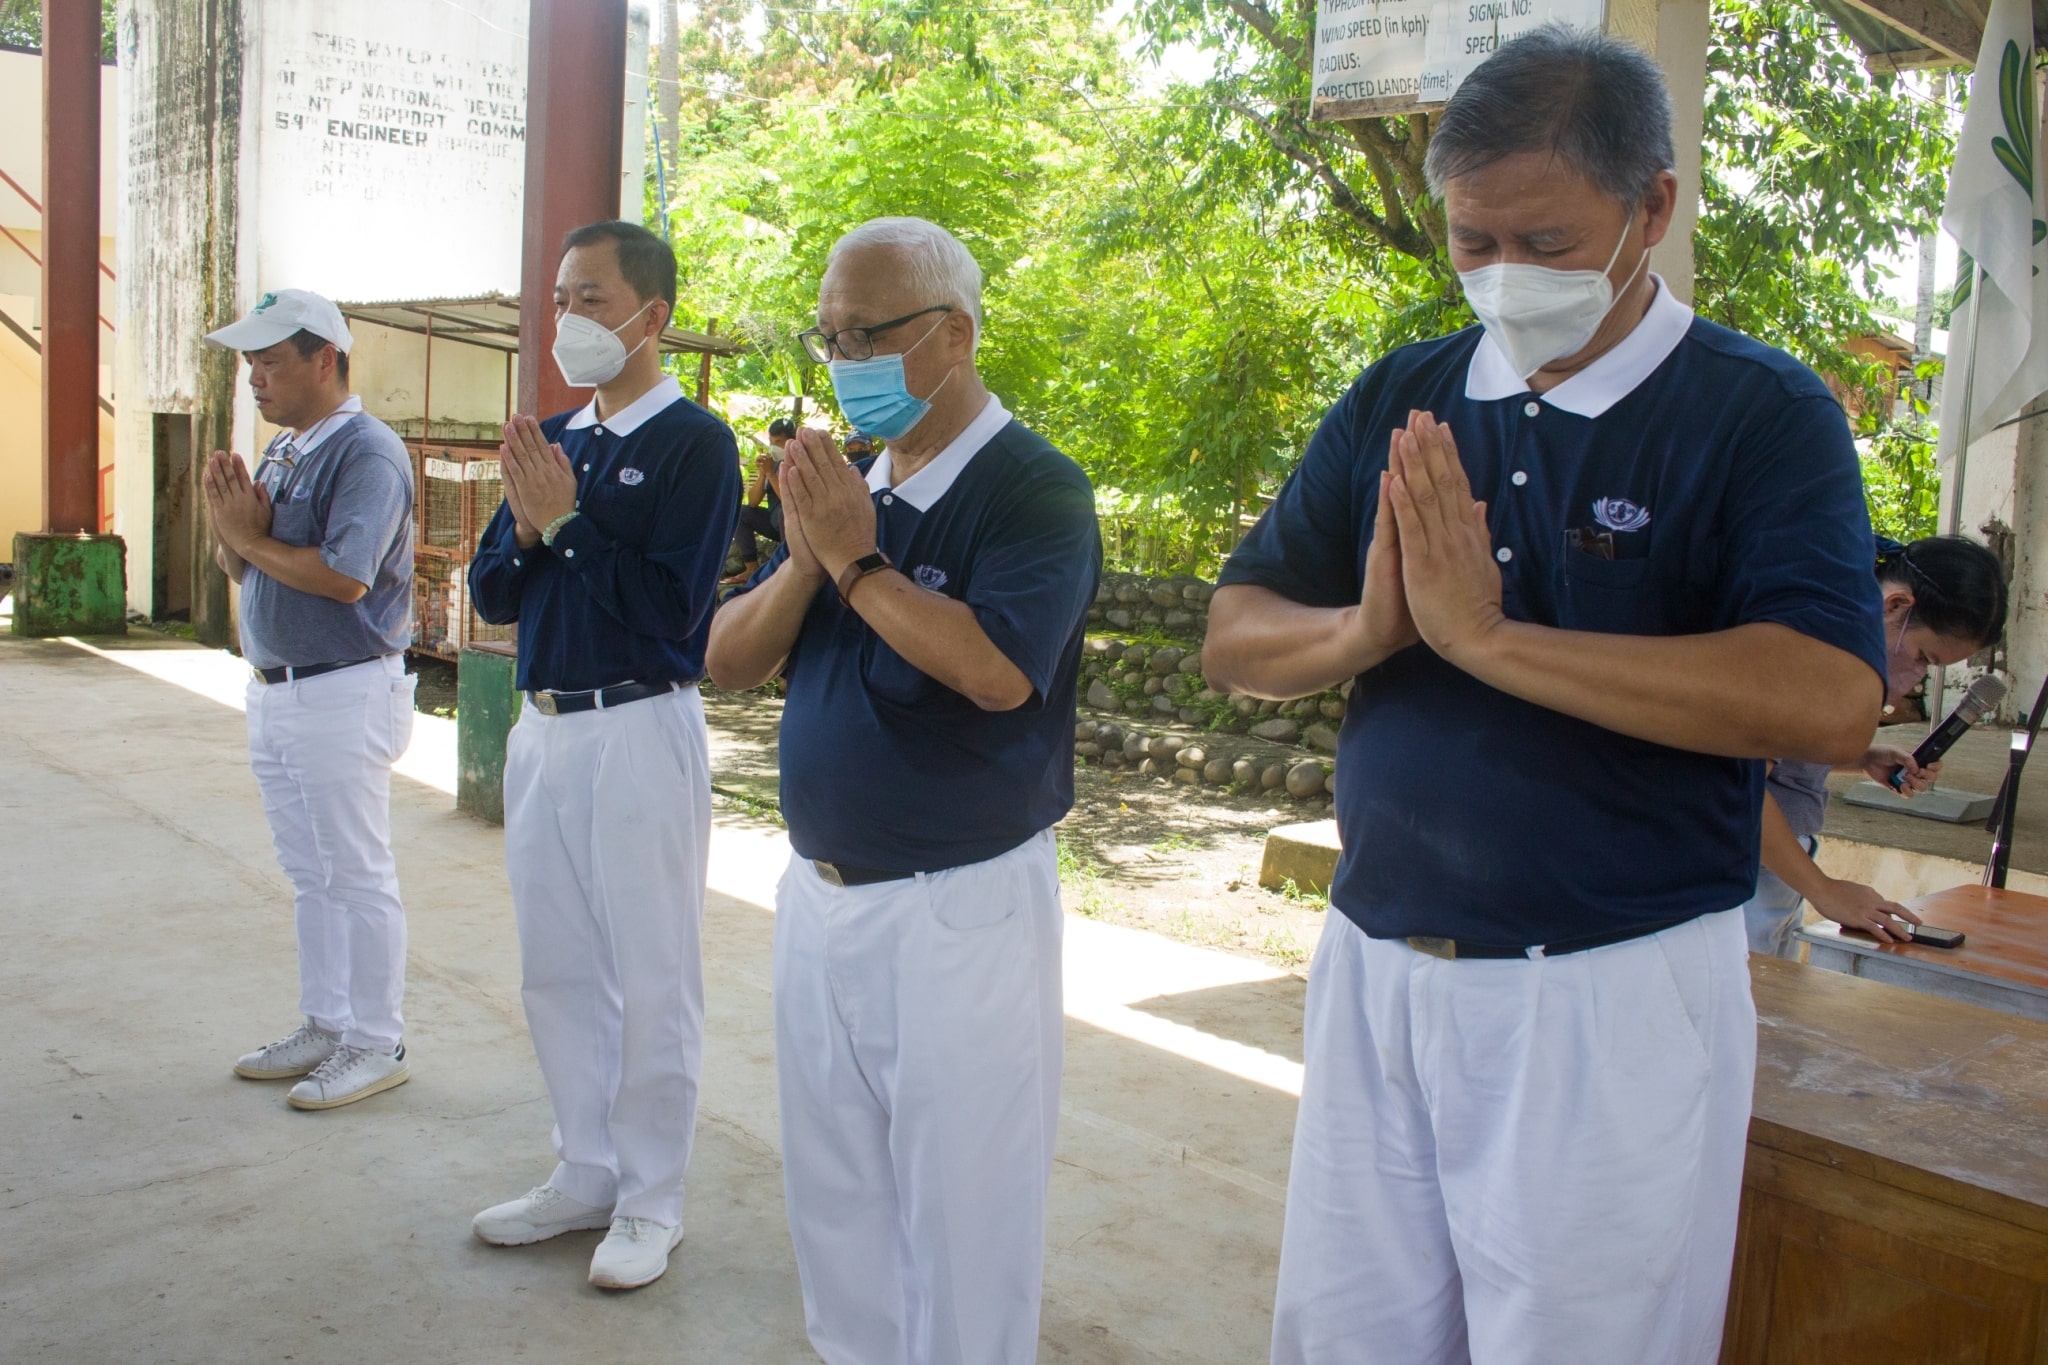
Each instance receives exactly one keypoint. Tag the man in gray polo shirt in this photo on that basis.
(320, 539)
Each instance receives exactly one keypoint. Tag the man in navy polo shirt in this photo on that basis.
(1589, 564)
(928, 617)
(607, 553)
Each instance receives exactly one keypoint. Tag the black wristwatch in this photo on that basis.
(859, 569)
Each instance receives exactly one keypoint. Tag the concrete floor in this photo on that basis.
(155, 1208)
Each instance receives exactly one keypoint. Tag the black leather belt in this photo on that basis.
(290, 672)
(552, 703)
(839, 874)
(1452, 949)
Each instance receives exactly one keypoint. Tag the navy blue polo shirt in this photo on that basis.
(1724, 472)
(626, 592)
(884, 767)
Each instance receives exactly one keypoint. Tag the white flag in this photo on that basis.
(1995, 212)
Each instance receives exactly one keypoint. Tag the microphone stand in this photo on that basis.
(2007, 807)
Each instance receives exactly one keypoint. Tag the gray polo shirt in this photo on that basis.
(1801, 791)
(347, 488)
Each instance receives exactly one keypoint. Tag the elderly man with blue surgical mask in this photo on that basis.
(927, 613)
(1589, 564)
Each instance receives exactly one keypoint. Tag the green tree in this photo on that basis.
(1812, 163)
(21, 25)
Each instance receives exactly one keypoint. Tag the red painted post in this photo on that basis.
(71, 264)
(575, 123)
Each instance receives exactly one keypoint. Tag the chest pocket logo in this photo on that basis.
(1619, 514)
(630, 476)
(301, 494)
(929, 576)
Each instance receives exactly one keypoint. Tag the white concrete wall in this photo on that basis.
(387, 147)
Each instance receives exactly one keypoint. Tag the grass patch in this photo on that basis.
(1081, 877)
(1313, 900)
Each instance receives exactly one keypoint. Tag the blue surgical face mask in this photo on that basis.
(874, 396)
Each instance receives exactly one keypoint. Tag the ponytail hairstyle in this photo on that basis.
(1958, 585)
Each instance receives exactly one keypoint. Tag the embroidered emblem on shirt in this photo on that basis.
(930, 576)
(301, 494)
(1619, 514)
(630, 476)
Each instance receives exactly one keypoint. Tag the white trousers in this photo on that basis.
(918, 1044)
(1519, 1162)
(607, 828)
(322, 751)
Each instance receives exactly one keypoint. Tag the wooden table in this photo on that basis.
(2002, 963)
(1895, 1200)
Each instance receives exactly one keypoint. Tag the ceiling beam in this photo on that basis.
(1930, 23)
(1906, 59)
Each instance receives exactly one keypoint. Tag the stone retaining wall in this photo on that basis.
(1154, 682)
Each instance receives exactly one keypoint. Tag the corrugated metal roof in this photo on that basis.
(492, 321)
(1918, 32)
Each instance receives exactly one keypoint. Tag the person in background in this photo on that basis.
(607, 552)
(320, 539)
(858, 447)
(759, 522)
(928, 617)
(1547, 548)
(1944, 599)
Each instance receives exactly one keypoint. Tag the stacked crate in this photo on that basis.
(456, 491)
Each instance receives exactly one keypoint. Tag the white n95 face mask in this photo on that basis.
(1536, 314)
(589, 353)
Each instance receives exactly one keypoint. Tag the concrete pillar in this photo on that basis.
(575, 114)
(70, 580)
(1675, 33)
(2026, 627)
(71, 262)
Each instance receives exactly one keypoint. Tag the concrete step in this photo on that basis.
(1305, 854)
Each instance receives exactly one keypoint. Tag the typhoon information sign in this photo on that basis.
(1379, 57)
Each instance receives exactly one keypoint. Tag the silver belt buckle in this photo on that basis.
(828, 873)
(1445, 948)
(544, 702)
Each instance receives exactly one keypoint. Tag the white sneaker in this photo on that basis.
(542, 1212)
(351, 1074)
(633, 1253)
(298, 1052)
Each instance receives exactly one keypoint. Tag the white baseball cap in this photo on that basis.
(277, 317)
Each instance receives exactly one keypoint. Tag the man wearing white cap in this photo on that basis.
(320, 539)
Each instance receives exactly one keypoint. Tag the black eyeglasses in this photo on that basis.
(857, 343)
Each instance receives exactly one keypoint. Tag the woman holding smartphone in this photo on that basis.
(1944, 599)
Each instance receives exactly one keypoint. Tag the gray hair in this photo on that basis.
(936, 266)
(1596, 103)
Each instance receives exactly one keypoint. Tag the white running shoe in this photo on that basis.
(633, 1253)
(542, 1212)
(295, 1054)
(351, 1074)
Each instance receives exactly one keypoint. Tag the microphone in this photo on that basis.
(1984, 694)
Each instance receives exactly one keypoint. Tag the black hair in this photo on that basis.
(308, 345)
(782, 429)
(1958, 585)
(646, 261)
(1596, 103)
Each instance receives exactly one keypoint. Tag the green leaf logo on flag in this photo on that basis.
(2016, 108)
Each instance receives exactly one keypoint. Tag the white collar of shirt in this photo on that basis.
(627, 420)
(1601, 384)
(929, 484)
(325, 427)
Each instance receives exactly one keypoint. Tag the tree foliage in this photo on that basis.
(21, 25)
(1181, 279)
